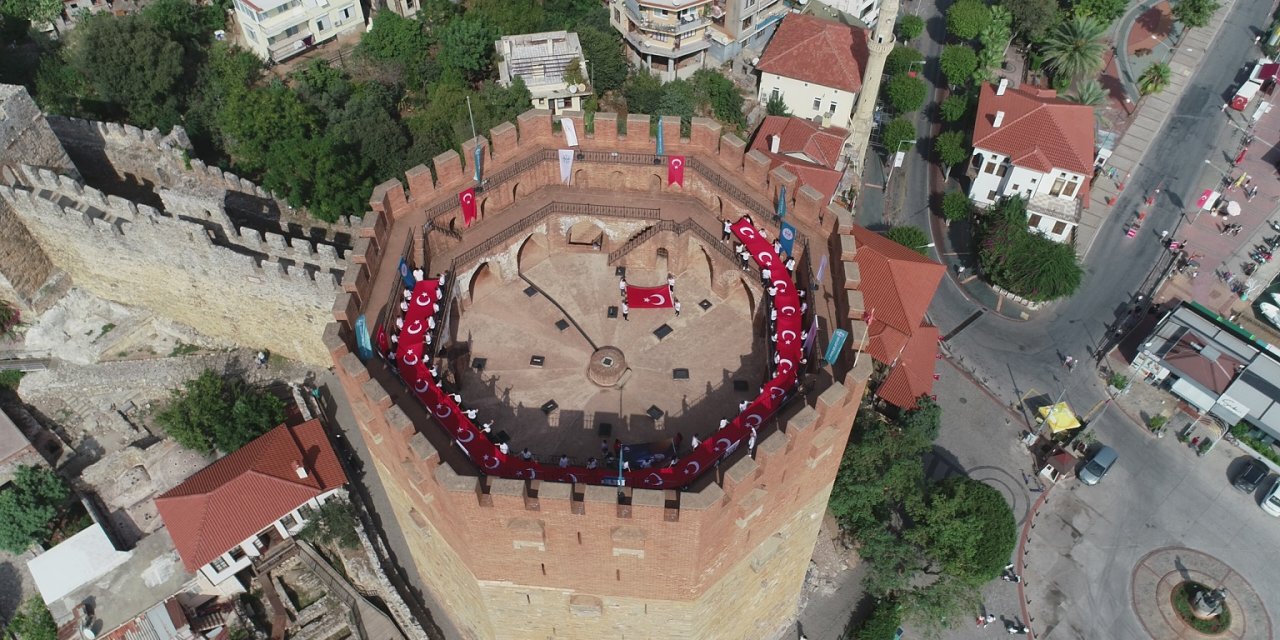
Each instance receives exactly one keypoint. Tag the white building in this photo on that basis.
(276, 30)
(670, 38)
(541, 61)
(247, 505)
(739, 25)
(816, 67)
(867, 11)
(1032, 144)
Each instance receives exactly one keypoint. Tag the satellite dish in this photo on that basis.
(755, 61)
(573, 88)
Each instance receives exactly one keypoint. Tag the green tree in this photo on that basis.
(1194, 13)
(910, 27)
(679, 98)
(607, 62)
(212, 412)
(967, 528)
(954, 108)
(436, 13)
(901, 60)
(33, 621)
(956, 206)
(1154, 78)
(131, 68)
(466, 46)
(905, 93)
(958, 62)
(721, 94)
(1089, 92)
(369, 123)
(1025, 263)
(883, 622)
(333, 523)
(1106, 11)
(989, 59)
(911, 237)
(896, 133)
(400, 43)
(951, 149)
(508, 16)
(967, 18)
(1076, 47)
(28, 506)
(1032, 19)
(776, 106)
(940, 604)
(35, 11)
(643, 92)
(186, 23)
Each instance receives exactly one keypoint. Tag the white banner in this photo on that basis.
(566, 165)
(570, 134)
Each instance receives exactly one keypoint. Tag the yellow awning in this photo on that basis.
(1059, 417)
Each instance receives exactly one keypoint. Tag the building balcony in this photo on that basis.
(1066, 209)
(293, 45)
(674, 48)
(671, 26)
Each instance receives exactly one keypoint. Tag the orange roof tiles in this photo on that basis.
(1039, 131)
(234, 498)
(818, 51)
(799, 136)
(897, 286)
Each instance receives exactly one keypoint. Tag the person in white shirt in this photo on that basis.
(728, 231)
(677, 307)
(487, 427)
(526, 454)
(503, 448)
(742, 406)
(773, 291)
(564, 462)
(591, 463)
(791, 264)
(408, 294)
(470, 414)
(671, 282)
(418, 274)
(724, 422)
(404, 305)
(400, 322)
(694, 442)
(622, 286)
(444, 277)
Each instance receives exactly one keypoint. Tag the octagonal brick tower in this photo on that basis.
(723, 558)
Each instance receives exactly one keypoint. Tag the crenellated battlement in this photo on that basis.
(515, 558)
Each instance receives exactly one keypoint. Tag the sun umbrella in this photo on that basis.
(1233, 208)
(1271, 312)
(1059, 417)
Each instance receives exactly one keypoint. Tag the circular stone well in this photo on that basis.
(606, 366)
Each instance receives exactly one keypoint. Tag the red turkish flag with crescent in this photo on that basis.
(648, 297)
(675, 170)
(468, 201)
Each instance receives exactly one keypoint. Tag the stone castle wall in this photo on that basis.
(517, 559)
(258, 291)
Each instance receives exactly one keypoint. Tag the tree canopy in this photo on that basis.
(956, 206)
(1075, 48)
(967, 528)
(911, 237)
(966, 18)
(333, 523)
(33, 621)
(910, 27)
(1105, 11)
(905, 93)
(897, 132)
(901, 59)
(212, 412)
(954, 108)
(1032, 19)
(1022, 262)
(608, 64)
(951, 148)
(958, 62)
(28, 506)
(1194, 13)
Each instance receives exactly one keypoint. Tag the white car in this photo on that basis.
(1271, 501)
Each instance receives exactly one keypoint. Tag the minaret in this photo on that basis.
(880, 45)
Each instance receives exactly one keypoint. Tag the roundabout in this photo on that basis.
(1164, 586)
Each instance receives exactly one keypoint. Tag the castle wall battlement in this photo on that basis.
(518, 559)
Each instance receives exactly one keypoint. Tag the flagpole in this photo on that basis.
(865, 330)
(472, 118)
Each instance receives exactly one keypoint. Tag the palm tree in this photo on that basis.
(1076, 47)
(1154, 78)
(1089, 93)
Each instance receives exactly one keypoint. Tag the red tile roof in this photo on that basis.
(912, 376)
(818, 51)
(234, 498)
(897, 286)
(1040, 131)
(799, 136)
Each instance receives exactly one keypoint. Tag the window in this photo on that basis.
(1059, 227)
(253, 35)
(991, 195)
(746, 24)
(236, 553)
(566, 103)
(289, 521)
(831, 108)
(1070, 190)
(817, 104)
(751, 3)
(1002, 170)
(345, 13)
(218, 565)
(617, 15)
(775, 94)
(320, 25)
(1014, 187)
(1034, 221)
(1058, 185)
(990, 168)
(306, 511)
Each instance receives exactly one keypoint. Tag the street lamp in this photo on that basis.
(893, 161)
(1225, 177)
(926, 246)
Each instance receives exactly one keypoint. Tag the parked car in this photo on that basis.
(1271, 501)
(1252, 476)
(1098, 465)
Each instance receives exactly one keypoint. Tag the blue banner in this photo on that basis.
(661, 150)
(837, 343)
(479, 161)
(406, 275)
(782, 202)
(787, 238)
(364, 347)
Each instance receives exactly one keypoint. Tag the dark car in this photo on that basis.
(1252, 476)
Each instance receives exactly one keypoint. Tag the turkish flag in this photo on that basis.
(648, 297)
(675, 170)
(468, 201)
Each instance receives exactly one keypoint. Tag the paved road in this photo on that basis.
(1011, 357)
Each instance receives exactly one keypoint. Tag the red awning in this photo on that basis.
(1269, 71)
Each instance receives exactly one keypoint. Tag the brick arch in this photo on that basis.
(580, 178)
(533, 250)
(655, 183)
(742, 294)
(484, 281)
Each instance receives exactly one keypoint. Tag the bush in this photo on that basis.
(333, 523)
(28, 506)
(883, 622)
(1119, 381)
(954, 108)
(913, 238)
(776, 106)
(967, 18)
(910, 27)
(905, 93)
(1024, 263)
(212, 412)
(33, 622)
(1182, 597)
(955, 206)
